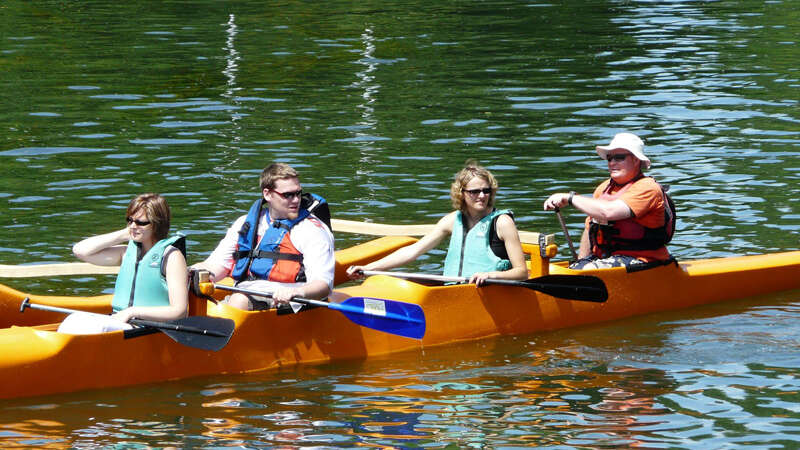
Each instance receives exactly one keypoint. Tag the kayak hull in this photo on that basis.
(39, 361)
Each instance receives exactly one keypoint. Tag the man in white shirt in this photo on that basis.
(295, 260)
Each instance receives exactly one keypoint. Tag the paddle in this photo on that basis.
(566, 234)
(54, 270)
(389, 316)
(203, 332)
(571, 287)
(344, 226)
(378, 229)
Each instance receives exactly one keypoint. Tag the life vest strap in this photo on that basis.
(281, 224)
(269, 255)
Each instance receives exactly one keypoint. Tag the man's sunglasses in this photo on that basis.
(290, 195)
(618, 157)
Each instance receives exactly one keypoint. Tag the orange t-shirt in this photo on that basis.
(644, 198)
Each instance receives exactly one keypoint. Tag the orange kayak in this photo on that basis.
(38, 361)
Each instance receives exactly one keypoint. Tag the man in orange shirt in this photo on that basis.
(629, 218)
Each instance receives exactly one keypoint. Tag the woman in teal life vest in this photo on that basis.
(484, 242)
(152, 280)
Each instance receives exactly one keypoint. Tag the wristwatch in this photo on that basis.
(569, 199)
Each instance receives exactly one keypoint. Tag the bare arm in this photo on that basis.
(213, 265)
(315, 289)
(216, 272)
(411, 252)
(222, 254)
(507, 232)
(178, 295)
(603, 211)
(104, 249)
(584, 249)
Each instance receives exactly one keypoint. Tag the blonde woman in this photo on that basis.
(484, 242)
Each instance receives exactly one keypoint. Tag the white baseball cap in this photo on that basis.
(625, 141)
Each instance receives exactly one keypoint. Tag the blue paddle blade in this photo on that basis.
(400, 318)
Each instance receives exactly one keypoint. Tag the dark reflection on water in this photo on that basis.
(377, 105)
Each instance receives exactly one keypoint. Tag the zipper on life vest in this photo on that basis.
(135, 271)
(464, 233)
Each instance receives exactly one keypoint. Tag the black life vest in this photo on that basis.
(627, 234)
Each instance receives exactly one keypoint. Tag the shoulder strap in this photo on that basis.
(246, 233)
(495, 243)
(317, 206)
(178, 245)
(670, 213)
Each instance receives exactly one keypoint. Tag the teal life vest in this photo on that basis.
(473, 251)
(141, 280)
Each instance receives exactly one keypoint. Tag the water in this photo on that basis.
(377, 105)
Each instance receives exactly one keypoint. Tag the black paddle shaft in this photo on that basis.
(177, 327)
(572, 287)
(587, 288)
(566, 234)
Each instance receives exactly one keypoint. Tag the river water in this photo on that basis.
(378, 104)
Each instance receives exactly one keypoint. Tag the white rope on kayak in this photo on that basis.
(339, 225)
(54, 270)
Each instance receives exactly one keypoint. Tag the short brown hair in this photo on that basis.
(275, 172)
(471, 170)
(156, 209)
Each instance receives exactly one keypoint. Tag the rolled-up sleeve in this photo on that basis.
(315, 242)
(221, 258)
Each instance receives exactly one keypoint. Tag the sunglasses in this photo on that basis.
(475, 192)
(618, 157)
(290, 195)
(141, 223)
